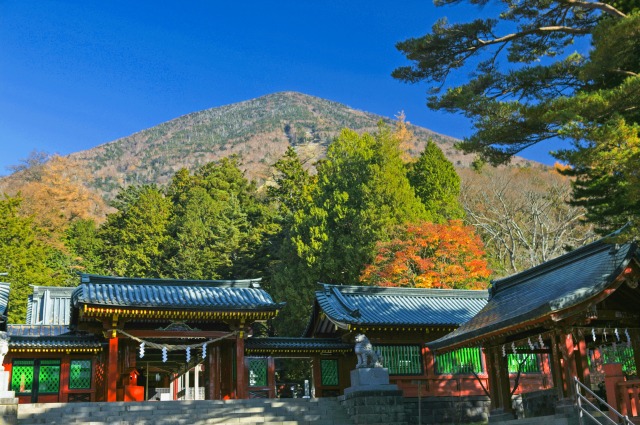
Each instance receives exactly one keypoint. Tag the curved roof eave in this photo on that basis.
(557, 306)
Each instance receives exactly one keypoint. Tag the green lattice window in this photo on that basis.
(80, 375)
(620, 354)
(329, 372)
(462, 361)
(49, 376)
(401, 359)
(531, 363)
(22, 376)
(258, 372)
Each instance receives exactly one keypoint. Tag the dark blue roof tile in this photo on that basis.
(383, 306)
(284, 344)
(49, 337)
(549, 288)
(172, 294)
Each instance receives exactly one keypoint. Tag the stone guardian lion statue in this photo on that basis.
(364, 351)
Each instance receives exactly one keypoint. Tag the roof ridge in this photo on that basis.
(426, 292)
(554, 264)
(351, 309)
(102, 280)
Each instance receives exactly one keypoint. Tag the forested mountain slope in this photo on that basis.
(258, 130)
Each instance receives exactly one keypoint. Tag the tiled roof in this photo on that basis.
(207, 295)
(25, 337)
(369, 305)
(282, 344)
(551, 287)
(49, 305)
(4, 298)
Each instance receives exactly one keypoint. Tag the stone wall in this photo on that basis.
(375, 407)
(535, 403)
(447, 410)
(8, 411)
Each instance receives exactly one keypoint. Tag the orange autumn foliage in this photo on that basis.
(429, 255)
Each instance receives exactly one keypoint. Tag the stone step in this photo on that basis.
(190, 412)
(546, 420)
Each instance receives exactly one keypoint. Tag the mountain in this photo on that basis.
(258, 130)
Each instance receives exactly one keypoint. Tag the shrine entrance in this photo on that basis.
(171, 339)
(294, 377)
(279, 366)
(160, 366)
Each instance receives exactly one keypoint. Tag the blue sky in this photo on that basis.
(76, 74)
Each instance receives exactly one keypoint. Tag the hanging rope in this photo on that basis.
(171, 347)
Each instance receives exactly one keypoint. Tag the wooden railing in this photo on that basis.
(585, 401)
(628, 396)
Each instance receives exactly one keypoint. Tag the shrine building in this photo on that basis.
(131, 339)
(580, 310)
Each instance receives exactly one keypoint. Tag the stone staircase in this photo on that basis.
(325, 411)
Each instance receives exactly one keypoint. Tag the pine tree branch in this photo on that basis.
(603, 7)
(535, 31)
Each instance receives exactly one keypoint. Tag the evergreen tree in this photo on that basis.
(361, 196)
(220, 226)
(206, 235)
(527, 87)
(23, 257)
(292, 184)
(437, 184)
(135, 237)
(85, 246)
(290, 278)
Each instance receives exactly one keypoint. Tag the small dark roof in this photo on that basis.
(4, 298)
(208, 295)
(49, 337)
(551, 287)
(284, 344)
(384, 306)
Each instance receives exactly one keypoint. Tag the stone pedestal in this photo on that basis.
(372, 400)
(370, 379)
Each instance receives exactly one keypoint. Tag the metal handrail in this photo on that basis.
(624, 419)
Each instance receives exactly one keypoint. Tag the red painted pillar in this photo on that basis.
(316, 373)
(241, 382)
(112, 369)
(429, 362)
(271, 374)
(499, 384)
(545, 361)
(582, 362)
(568, 349)
(490, 364)
(502, 370)
(556, 366)
(213, 373)
(612, 376)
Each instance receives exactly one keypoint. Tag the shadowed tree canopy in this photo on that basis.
(528, 84)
